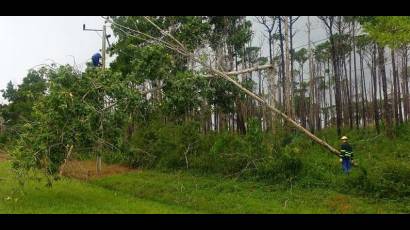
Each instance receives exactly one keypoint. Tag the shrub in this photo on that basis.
(391, 181)
(280, 168)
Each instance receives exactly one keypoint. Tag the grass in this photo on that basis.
(319, 188)
(178, 192)
(216, 195)
(71, 196)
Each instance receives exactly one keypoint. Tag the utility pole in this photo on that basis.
(103, 51)
(103, 45)
(100, 149)
(104, 40)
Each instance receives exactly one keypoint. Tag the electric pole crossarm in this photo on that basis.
(90, 29)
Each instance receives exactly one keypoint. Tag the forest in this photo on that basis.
(192, 101)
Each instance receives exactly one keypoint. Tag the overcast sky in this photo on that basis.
(29, 41)
(300, 40)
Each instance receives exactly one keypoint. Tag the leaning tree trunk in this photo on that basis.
(283, 115)
(183, 51)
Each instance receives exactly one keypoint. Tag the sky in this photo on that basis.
(27, 42)
(30, 41)
(300, 39)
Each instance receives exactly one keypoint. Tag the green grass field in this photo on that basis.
(158, 192)
(70, 196)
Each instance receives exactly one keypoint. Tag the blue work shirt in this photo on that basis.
(96, 59)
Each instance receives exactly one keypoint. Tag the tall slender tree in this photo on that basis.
(329, 24)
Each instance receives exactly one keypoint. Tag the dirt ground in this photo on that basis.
(340, 204)
(86, 170)
(3, 156)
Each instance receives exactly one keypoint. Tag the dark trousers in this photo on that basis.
(346, 165)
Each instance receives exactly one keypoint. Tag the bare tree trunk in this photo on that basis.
(337, 83)
(271, 80)
(291, 54)
(324, 101)
(362, 88)
(405, 83)
(282, 55)
(288, 77)
(366, 105)
(303, 102)
(395, 107)
(399, 96)
(311, 81)
(406, 77)
(349, 101)
(376, 111)
(344, 95)
(330, 91)
(271, 77)
(279, 84)
(380, 90)
(317, 100)
(370, 112)
(355, 77)
(387, 107)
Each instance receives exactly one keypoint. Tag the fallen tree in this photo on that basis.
(181, 49)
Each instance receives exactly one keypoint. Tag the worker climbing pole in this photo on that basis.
(96, 59)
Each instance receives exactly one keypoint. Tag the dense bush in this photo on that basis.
(3, 138)
(391, 181)
(181, 146)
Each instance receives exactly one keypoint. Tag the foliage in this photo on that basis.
(72, 114)
(21, 100)
(393, 31)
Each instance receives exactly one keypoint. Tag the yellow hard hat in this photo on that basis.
(344, 138)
